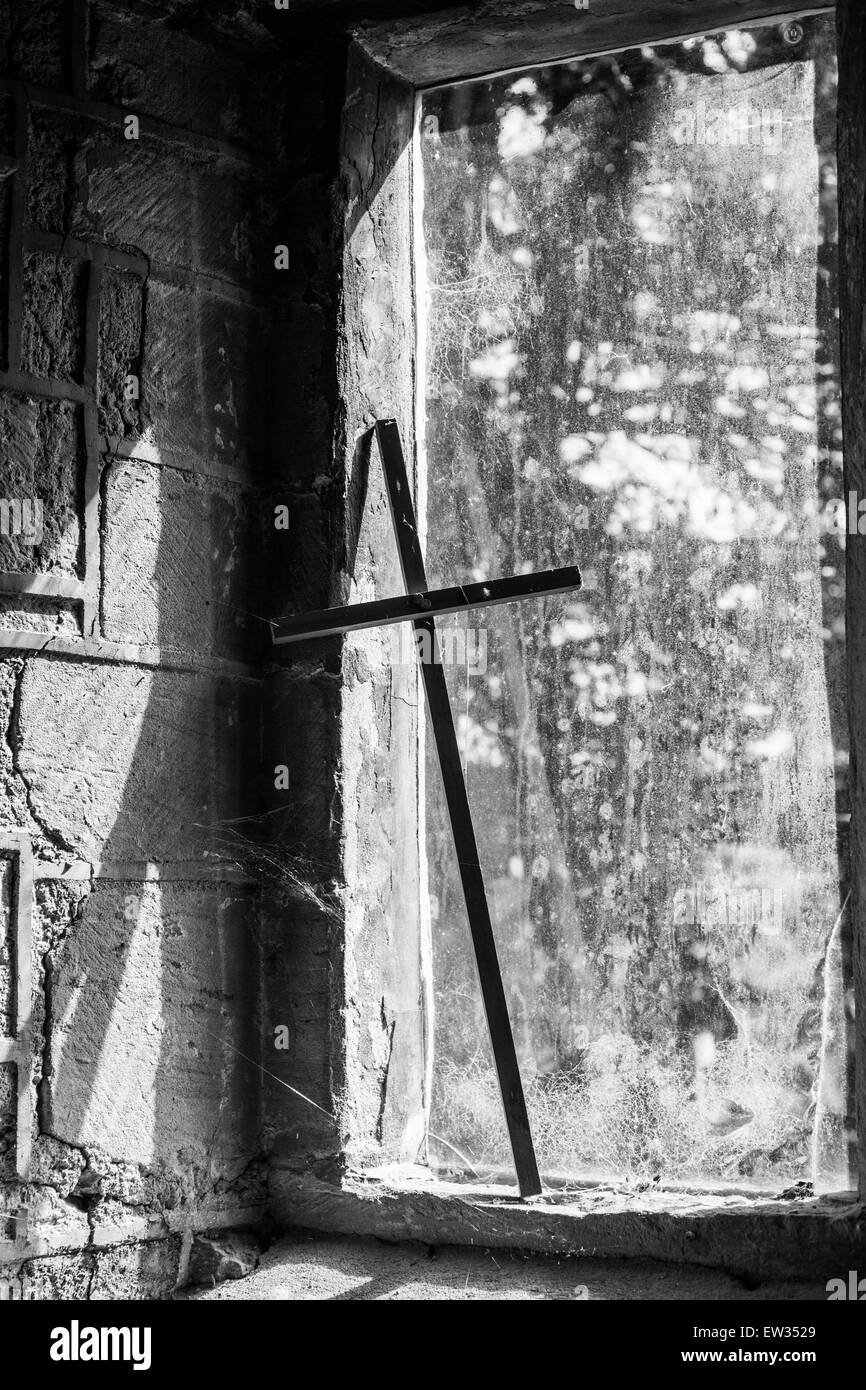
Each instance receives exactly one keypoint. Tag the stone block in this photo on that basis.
(171, 394)
(7, 124)
(8, 1120)
(143, 1270)
(32, 41)
(142, 194)
(52, 339)
(180, 556)
(153, 996)
(120, 345)
(58, 1278)
(7, 945)
(229, 216)
(126, 763)
(179, 77)
(236, 377)
(43, 460)
(225, 1255)
(49, 170)
(33, 613)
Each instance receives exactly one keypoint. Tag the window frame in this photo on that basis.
(390, 65)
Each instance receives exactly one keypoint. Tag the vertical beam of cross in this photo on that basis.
(456, 796)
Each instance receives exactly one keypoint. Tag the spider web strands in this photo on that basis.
(457, 799)
(410, 607)
(308, 1100)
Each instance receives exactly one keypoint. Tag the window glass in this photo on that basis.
(627, 272)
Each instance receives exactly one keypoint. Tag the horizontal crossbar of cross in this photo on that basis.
(434, 603)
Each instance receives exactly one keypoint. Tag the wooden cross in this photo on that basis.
(420, 606)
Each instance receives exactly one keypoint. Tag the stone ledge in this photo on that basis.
(756, 1237)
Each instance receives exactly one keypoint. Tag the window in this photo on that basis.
(629, 358)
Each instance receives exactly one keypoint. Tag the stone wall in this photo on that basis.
(152, 402)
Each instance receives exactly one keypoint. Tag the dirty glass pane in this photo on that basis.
(628, 282)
